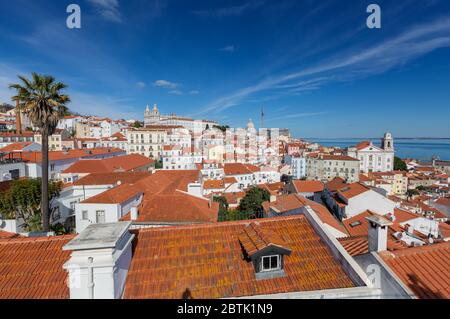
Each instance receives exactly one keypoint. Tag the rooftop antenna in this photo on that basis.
(262, 117)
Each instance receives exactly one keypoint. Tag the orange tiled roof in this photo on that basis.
(32, 268)
(8, 235)
(308, 186)
(234, 198)
(177, 208)
(353, 190)
(294, 201)
(443, 201)
(109, 165)
(362, 145)
(355, 246)
(358, 225)
(208, 260)
(214, 184)
(167, 182)
(335, 184)
(425, 270)
(115, 195)
(255, 238)
(338, 158)
(359, 245)
(111, 178)
(402, 215)
(240, 169)
(36, 157)
(14, 147)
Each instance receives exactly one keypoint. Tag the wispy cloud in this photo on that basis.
(229, 48)
(176, 92)
(295, 116)
(165, 84)
(108, 9)
(141, 85)
(351, 64)
(230, 11)
(194, 92)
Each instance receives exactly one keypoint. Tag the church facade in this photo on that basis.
(373, 158)
(154, 118)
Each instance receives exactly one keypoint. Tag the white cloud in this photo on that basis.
(141, 85)
(165, 84)
(108, 9)
(415, 42)
(230, 11)
(194, 92)
(176, 92)
(295, 116)
(229, 48)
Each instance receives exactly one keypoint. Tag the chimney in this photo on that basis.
(99, 262)
(378, 232)
(18, 119)
(134, 213)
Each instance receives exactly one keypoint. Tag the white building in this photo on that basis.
(356, 198)
(107, 207)
(298, 166)
(373, 158)
(153, 117)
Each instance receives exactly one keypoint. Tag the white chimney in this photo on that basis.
(134, 213)
(378, 233)
(99, 262)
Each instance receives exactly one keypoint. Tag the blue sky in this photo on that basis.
(313, 65)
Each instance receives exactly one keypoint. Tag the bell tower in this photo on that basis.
(387, 142)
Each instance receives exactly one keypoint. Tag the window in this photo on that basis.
(84, 215)
(355, 224)
(270, 263)
(100, 216)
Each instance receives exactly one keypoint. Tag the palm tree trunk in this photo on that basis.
(44, 199)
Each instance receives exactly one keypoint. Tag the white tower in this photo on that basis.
(387, 142)
(152, 117)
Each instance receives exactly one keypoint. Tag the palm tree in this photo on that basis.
(40, 98)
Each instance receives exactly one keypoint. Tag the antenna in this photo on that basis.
(262, 117)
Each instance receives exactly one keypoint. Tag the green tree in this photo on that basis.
(223, 208)
(399, 164)
(23, 200)
(410, 193)
(158, 164)
(223, 128)
(251, 205)
(137, 124)
(41, 99)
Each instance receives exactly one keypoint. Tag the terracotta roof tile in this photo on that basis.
(36, 157)
(240, 169)
(32, 268)
(353, 190)
(255, 238)
(177, 208)
(117, 195)
(111, 178)
(208, 260)
(308, 186)
(443, 201)
(294, 201)
(113, 164)
(425, 270)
